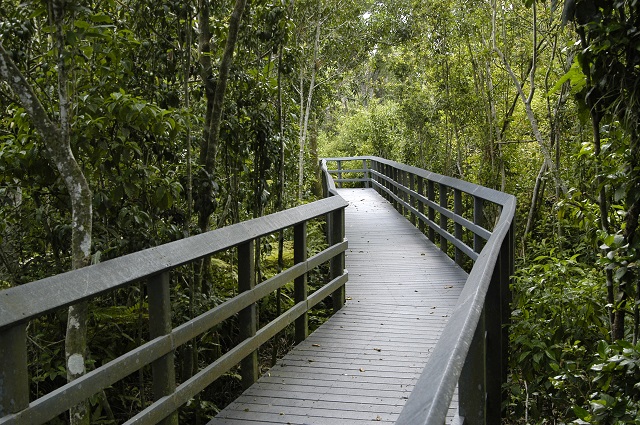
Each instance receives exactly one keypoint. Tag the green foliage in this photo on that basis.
(557, 317)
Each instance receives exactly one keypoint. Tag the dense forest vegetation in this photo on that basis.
(125, 124)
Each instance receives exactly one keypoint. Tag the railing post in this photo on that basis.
(457, 210)
(163, 369)
(419, 203)
(300, 283)
(396, 174)
(472, 382)
(366, 174)
(478, 218)
(374, 176)
(412, 198)
(403, 195)
(336, 235)
(14, 375)
(388, 185)
(499, 301)
(431, 214)
(443, 218)
(247, 317)
(339, 173)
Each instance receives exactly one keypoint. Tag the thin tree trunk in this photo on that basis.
(534, 203)
(305, 123)
(526, 99)
(209, 145)
(57, 144)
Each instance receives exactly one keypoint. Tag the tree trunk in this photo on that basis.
(211, 136)
(305, 123)
(526, 100)
(56, 140)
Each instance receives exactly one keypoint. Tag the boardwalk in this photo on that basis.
(362, 364)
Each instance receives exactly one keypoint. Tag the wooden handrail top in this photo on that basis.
(485, 193)
(25, 302)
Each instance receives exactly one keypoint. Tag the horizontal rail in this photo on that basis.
(472, 351)
(20, 304)
(25, 302)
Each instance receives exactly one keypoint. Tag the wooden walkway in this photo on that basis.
(361, 365)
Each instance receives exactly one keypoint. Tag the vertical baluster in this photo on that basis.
(457, 210)
(337, 262)
(444, 221)
(412, 198)
(396, 174)
(14, 375)
(387, 172)
(494, 354)
(163, 369)
(403, 195)
(472, 382)
(420, 204)
(478, 218)
(431, 214)
(300, 283)
(247, 317)
(339, 173)
(366, 174)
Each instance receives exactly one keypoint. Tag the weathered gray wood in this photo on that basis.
(14, 376)
(56, 402)
(364, 361)
(457, 210)
(473, 378)
(300, 288)
(163, 369)
(442, 191)
(247, 317)
(478, 218)
(336, 267)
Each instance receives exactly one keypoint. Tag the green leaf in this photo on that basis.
(575, 75)
(582, 413)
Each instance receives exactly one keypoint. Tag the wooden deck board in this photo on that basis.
(361, 365)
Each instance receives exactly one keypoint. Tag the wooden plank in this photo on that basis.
(361, 365)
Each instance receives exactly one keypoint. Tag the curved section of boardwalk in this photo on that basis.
(361, 365)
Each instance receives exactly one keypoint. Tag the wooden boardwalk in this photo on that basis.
(361, 365)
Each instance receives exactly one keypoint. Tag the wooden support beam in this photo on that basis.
(163, 369)
(300, 289)
(248, 316)
(457, 210)
(336, 235)
(14, 376)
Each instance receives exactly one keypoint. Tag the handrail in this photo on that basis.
(20, 304)
(472, 351)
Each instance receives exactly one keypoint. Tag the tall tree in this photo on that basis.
(215, 102)
(57, 141)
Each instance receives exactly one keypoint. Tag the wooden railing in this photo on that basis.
(21, 304)
(472, 351)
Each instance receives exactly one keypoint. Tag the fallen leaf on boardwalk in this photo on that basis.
(448, 287)
(378, 418)
(378, 349)
(310, 360)
(361, 370)
(348, 298)
(315, 345)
